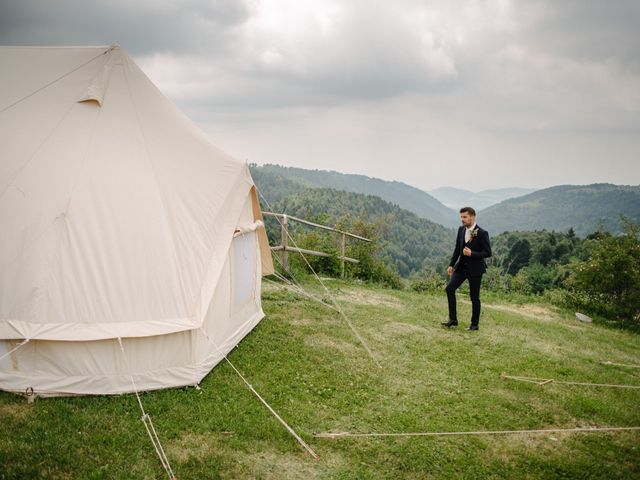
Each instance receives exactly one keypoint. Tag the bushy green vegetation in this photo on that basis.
(370, 267)
(607, 281)
(305, 362)
(407, 243)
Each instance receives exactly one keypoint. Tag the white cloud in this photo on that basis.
(401, 89)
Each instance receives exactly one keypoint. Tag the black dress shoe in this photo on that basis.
(450, 323)
(473, 327)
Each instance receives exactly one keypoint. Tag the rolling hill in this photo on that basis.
(583, 207)
(276, 182)
(456, 198)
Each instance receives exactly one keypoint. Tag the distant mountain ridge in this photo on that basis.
(277, 182)
(456, 198)
(585, 208)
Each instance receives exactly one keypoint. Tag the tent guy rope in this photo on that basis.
(264, 402)
(607, 362)
(291, 287)
(338, 435)
(547, 381)
(362, 341)
(148, 424)
(296, 285)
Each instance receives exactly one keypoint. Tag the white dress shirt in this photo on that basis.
(467, 233)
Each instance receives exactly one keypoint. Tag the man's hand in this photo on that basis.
(450, 271)
(466, 252)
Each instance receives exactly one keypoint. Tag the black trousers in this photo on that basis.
(458, 277)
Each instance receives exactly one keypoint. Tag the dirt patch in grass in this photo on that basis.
(194, 445)
(553, 444)
(534, 312)
(541, 313)
(326, 342)
(272, 465)
(276, 466)
(15, 410)
(554, 348)
(302, 322)
(399, 328)
(509, 447)
(365, 297)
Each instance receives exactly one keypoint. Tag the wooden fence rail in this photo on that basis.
(284, 247)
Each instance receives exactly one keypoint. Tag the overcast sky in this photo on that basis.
(471, 94)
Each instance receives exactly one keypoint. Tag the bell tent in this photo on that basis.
(131, 249)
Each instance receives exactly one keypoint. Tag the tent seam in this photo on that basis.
(157, 182)
(64, 214)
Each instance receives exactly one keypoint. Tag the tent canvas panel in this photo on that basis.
(61, 367)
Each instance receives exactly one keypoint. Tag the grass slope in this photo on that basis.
(583, 207)
(307, 364)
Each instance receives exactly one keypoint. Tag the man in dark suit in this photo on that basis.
(467, 263)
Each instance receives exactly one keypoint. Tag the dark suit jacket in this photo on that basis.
(480, 246)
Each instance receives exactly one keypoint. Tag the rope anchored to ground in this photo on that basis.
(336, 306)
(607, 362)
(293, 433)
(338, 435)
(546, 381)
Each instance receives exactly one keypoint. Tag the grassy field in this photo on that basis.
(305, 361)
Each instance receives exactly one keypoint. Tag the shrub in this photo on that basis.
(494, 280)
(608, 283)
(322, 242)
(539, 278)
(432, 284)
(520, 283)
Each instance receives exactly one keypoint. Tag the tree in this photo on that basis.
(518, 256)
(609, 281)
(561, 252)
(544, 254)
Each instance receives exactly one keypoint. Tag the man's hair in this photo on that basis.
(468, 210)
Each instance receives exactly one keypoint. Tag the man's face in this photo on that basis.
(466, 219)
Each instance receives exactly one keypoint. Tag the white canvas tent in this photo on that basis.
(118, 220)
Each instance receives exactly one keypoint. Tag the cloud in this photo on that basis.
(501, 81)
(141, 26)
(315, 52)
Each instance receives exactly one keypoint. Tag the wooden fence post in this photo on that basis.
(285, 248)
(284, 241)
(343, 245)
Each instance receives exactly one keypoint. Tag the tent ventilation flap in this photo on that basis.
(98, 86)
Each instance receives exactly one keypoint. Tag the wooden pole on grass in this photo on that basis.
(343, 244)
(284, 241)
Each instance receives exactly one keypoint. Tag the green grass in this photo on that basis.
(306, 363)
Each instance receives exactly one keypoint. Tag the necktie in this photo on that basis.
(467, 235)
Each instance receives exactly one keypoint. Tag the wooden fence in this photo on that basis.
(285, 248)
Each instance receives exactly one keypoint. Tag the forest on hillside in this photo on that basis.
(278, 181)
(409, 244)
(584, 208)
